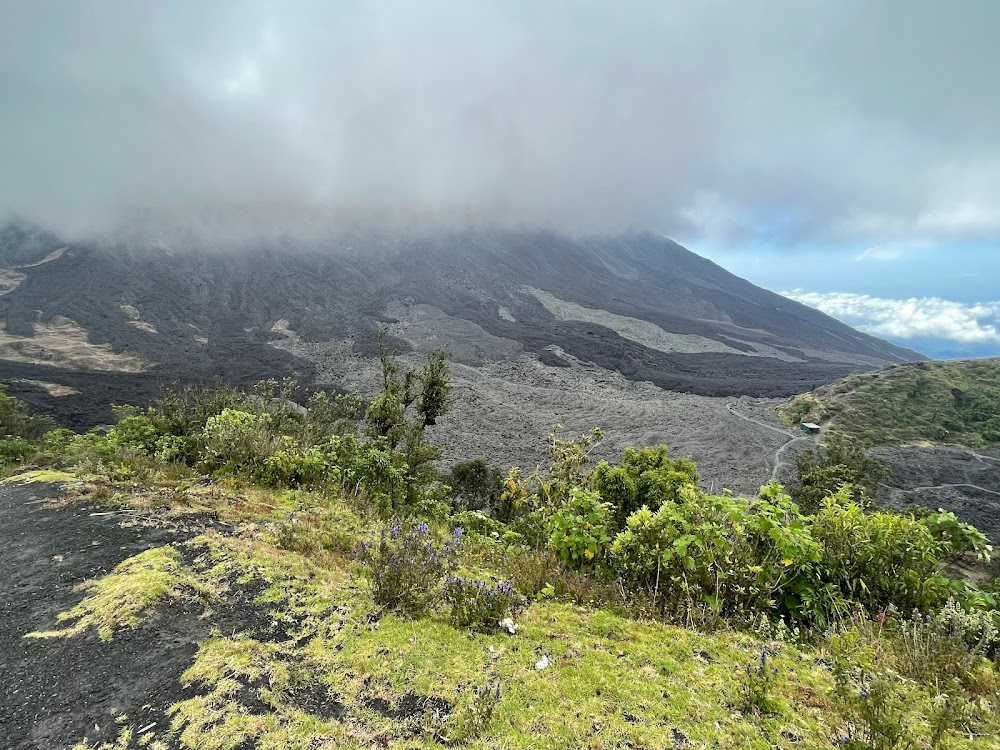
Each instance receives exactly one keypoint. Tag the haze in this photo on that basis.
(733, 126)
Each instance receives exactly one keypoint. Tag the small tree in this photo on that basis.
(388, 416)
(842, 461)
(646, 476)
(475, 484)
(435, 395)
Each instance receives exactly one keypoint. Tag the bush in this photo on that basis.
(956, 538)
(877, 559)
(17, 422)
(237, 442)
(479, 603)
(730, 553)
(842, 461)
(406, 566)
(136, 431)
(369, 470)
(14, 449)
(757, 687)
(646, 477)
(948, 643)
(579, 530)
(292, 467)
(475, 485)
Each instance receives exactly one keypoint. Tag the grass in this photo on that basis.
(921, 402)
(128, 594)
(39, 475)
(344, 674)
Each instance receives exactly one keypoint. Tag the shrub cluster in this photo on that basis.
(481, 604)
(264, 437)
(646, 524)
(406, 566)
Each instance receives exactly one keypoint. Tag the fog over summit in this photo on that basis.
(729, 121)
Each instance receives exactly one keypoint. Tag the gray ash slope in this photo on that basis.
(640, 305)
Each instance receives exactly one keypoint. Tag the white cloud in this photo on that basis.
(917, 317)
(880, 252)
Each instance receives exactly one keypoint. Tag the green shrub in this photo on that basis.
(757, 686)
(733, 554)
(16, 421)
(956, 538)
(646, 477)
(481, 604)
(292, 467)
(406, 566)
(15, 449)
(877, 559)
(475, 485)
(136, 431)
(841, 461)
(950, 643)
(237, 442)
(579, 530)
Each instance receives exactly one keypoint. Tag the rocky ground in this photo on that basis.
(505, 408)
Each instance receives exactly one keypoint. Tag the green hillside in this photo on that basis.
(941, 402)
(354, 597)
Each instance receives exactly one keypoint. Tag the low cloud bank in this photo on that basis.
(918, 318)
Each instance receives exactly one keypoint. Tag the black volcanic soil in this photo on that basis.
(958, 479)
(55, 692)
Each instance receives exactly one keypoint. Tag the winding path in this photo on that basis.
(777, 461)
(949, 486)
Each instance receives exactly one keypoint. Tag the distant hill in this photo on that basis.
(955, 402)
(113, 321)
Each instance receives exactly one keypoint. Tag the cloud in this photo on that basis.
(880, 253)
(915, 318)
(728, 120)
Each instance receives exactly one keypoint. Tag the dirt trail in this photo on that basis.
(55, 692)
(777, 462)
(952, 486)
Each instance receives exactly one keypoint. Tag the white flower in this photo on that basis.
(508, 625)
(491, 649)
(542, 663)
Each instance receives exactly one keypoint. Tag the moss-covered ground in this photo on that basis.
(307, 660)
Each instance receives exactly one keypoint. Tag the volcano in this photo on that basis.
(85, 325)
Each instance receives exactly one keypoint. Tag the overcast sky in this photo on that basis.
(817, 147)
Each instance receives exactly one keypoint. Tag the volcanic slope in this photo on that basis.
(634, 334)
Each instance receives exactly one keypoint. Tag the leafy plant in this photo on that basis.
(479, 603)
(579, 530)
(645, 477)
(877, 559)
(476, 716)
(757, 686)
(948, 643)
(475, 485)
(406, 566)
(841, 461)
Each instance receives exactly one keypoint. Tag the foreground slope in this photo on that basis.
(84, 326)
(191, 635)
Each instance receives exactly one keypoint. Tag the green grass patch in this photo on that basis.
(129, 594)
(921, 402)
(39, 475)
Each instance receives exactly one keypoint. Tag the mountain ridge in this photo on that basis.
(637, 304)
